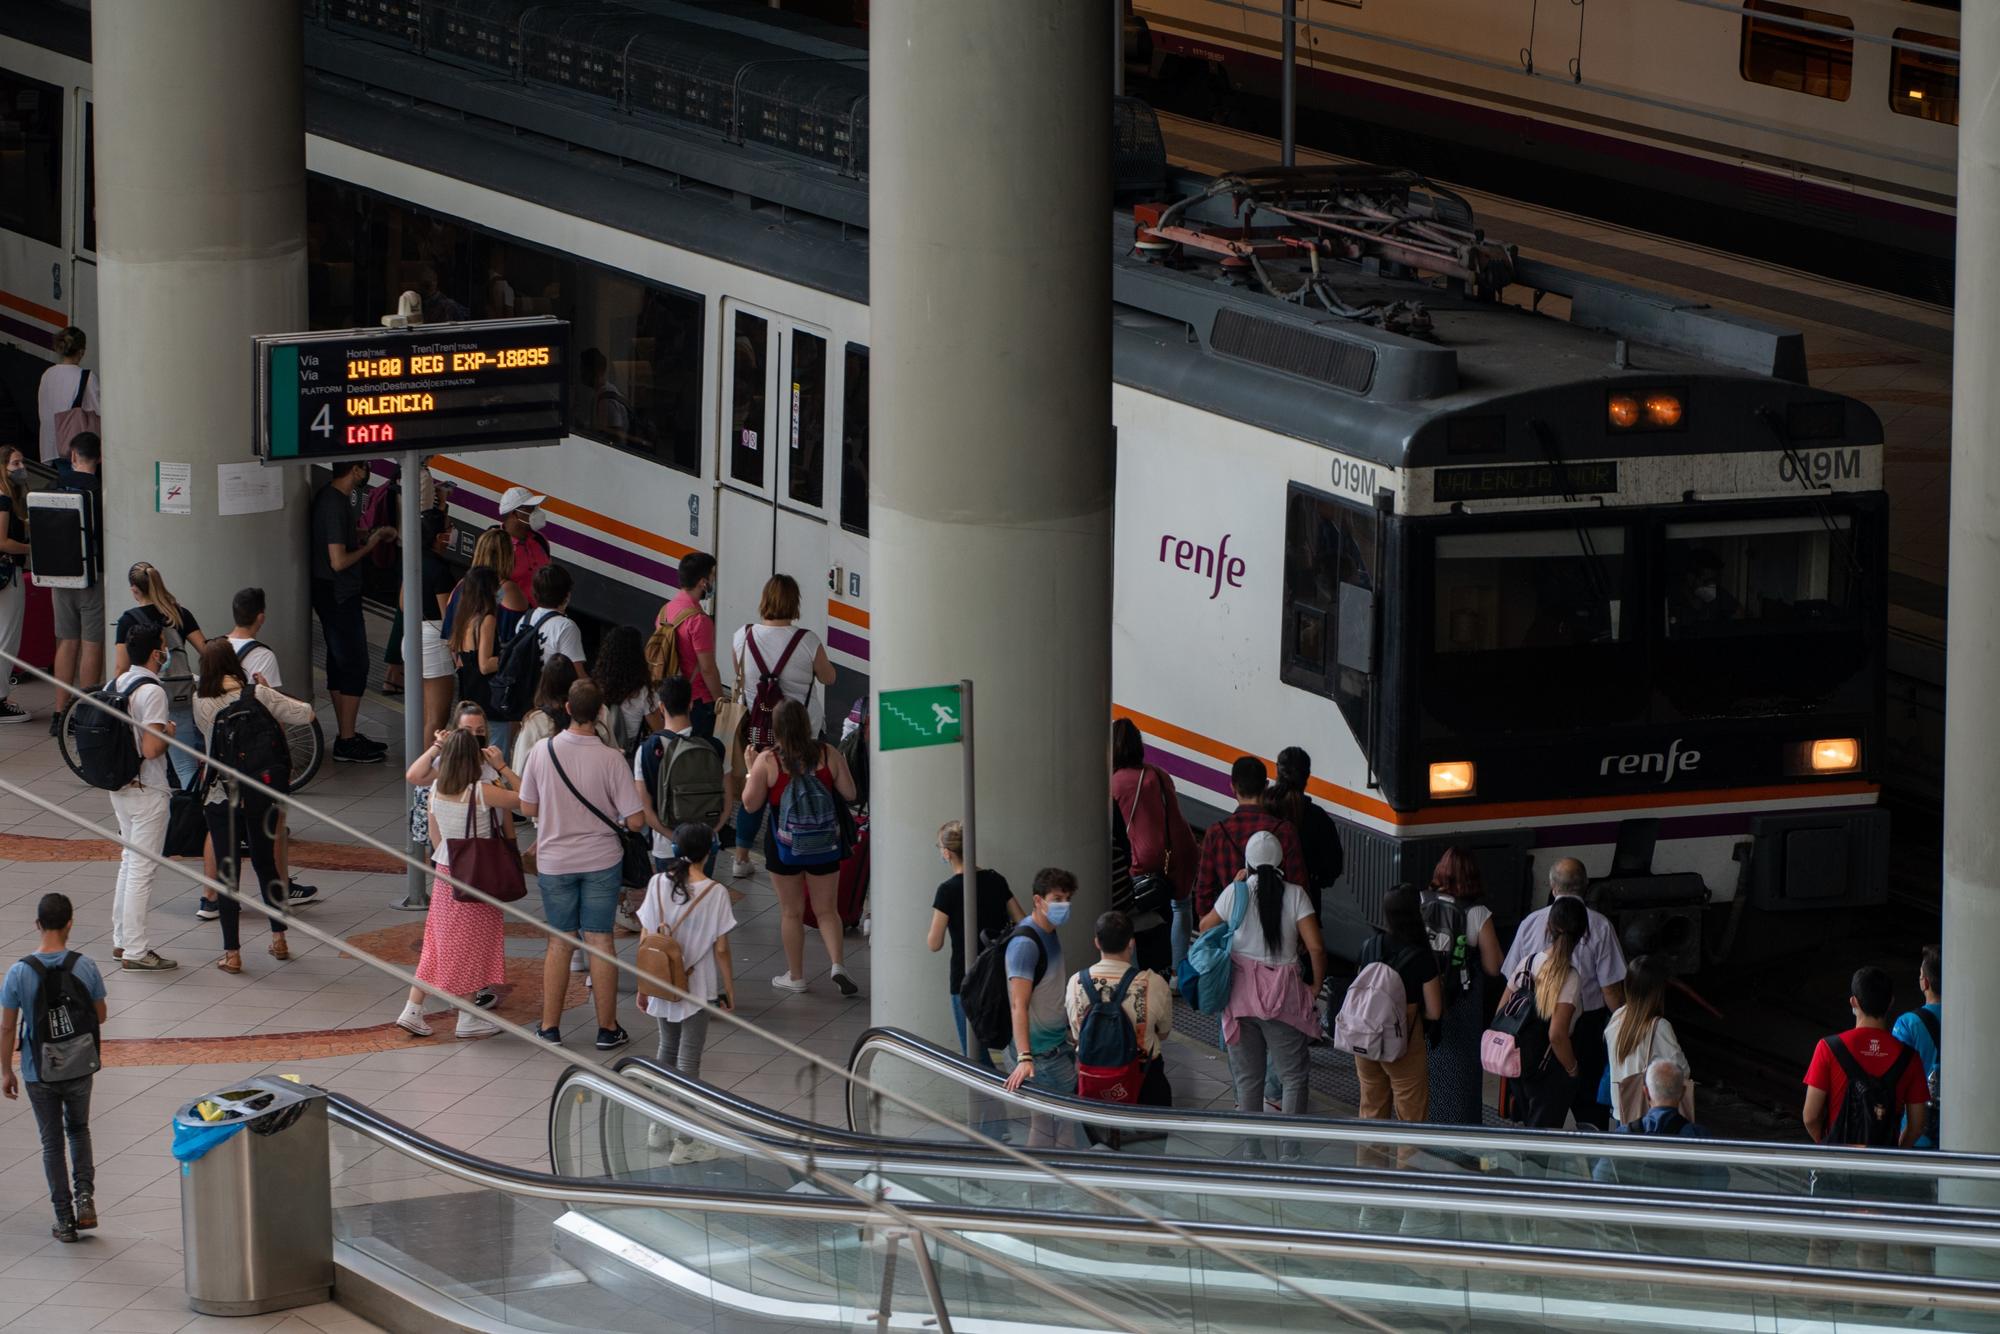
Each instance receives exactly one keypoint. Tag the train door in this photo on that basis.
(745, 471)
(806, 486)
(35, 286)
(773, 466)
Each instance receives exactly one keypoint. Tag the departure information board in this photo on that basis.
(484, 384)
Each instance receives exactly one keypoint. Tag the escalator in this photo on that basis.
(478, 1245)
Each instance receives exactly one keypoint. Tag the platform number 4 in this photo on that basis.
(324, 422)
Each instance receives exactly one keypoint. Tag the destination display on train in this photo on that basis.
(485, 384)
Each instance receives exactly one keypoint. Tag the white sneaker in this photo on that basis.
(411, 1020)
(786, 982)
(844, 982)
(740, 867)
(579, 962)
(659, 1138)
(472, 1026)
(867, 924)
(693, 1151)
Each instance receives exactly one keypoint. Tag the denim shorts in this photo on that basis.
(581, 900)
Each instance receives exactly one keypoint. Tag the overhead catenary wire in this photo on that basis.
(1120, 1204)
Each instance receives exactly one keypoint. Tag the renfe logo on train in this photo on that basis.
(1215, 563)
(1669, 762)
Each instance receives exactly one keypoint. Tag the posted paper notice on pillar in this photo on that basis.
(173, 488)
(248, 488)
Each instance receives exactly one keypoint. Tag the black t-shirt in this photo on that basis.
(438, 584)
(17, 528)
(1319, 845)
(134, 617)
(334, 525)
(1415, 964)
(994, 896)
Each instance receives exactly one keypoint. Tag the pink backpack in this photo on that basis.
(1372, 1020)
(75, 419)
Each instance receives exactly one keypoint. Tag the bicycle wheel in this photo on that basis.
(308, 750)
(67, 744)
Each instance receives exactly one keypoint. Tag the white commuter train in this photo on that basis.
(1455, 548)
(1840, 116)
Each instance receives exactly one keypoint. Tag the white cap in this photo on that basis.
(1263, 849)
(519, 498)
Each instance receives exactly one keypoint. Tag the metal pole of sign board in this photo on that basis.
(1288, 105)
(417, 892)
(971, 932)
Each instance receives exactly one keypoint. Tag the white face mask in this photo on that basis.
(536, 519)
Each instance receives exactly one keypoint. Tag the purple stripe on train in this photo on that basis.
(1193, 771)
(28, 333)
(851, 644)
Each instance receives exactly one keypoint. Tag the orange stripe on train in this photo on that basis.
(638, 537)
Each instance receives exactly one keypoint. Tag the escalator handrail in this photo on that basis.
(1537, 1261)
(1659, 1149)
(1599, 1204)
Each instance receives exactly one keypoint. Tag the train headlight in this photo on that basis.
(1623, 411)
(1663, 410)
(1835, 755)
(1452, 778)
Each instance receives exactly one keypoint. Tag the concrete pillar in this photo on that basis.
(1972, 654)
(990, 487)
(201, 244)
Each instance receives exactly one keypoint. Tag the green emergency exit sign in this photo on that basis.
(922, 716)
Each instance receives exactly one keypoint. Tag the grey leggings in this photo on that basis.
(681, 1042)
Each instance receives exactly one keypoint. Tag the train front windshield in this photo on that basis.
(1541, 628)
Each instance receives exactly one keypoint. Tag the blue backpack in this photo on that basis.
(1205, 972)
(808, 826)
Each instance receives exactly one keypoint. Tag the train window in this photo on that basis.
(807, 432)
(1922, 84)
(1781, 51)
(854, 442)
(31, 131)
(1543, 588)
(1757, 575)
(1328, 546)
(639, 345)
(746, 409)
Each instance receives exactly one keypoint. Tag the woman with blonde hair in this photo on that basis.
(1542, 1095)
(13, 562)
(774, 646)
(798, 872)
(465, 942)
(1638, 1034)
(179, 631)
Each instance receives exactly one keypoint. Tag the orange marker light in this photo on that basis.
(1836, 755)
(1663, 410)
(1452, 778)
(1624, 411)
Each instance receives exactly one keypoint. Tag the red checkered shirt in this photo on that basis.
(1222, 853)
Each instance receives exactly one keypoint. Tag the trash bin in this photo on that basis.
(256, 1198)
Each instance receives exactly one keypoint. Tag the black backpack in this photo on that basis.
(512, 689)
(1444, 921)
(64, 1031)
(1869, 1113)
(107, 750)
(247, 738)
(983, 993)
(1934, 1130)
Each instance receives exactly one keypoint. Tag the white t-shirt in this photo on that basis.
(148, 707)
(705, 918)
(1249, 938)
(796, 680)
(1664, 1045)
(559, 635)
(448, 813)
(632, 712)
(260, 661)
(1572, 985)
(57, 392)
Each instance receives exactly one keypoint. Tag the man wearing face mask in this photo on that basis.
(521, 516)
(1699, 598)
(694, 635)
(1042, 1053)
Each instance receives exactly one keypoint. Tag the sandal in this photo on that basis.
(279, 949)
(230, 962)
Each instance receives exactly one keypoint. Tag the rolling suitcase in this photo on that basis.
(853, 893)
